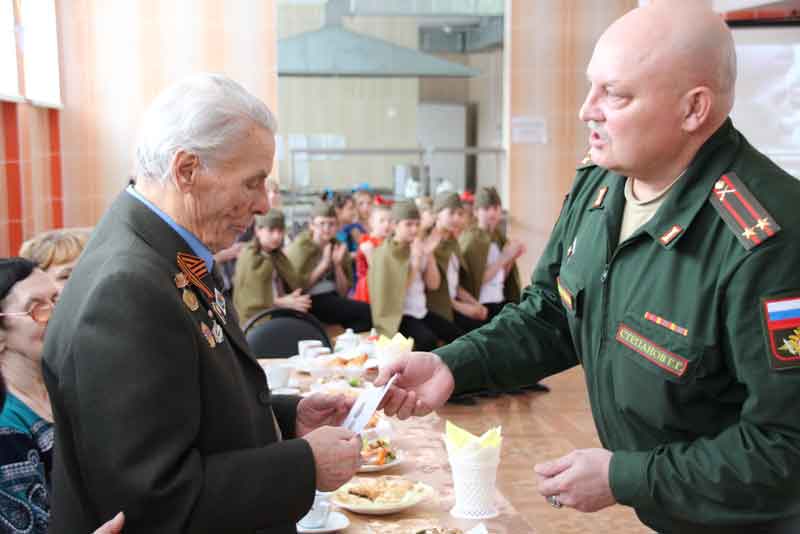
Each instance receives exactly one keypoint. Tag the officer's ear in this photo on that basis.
(185, 168)
(696, 108)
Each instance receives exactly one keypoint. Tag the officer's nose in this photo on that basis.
(589, 110)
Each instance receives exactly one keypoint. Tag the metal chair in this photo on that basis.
(274, 333)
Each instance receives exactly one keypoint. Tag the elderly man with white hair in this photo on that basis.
(161, 410)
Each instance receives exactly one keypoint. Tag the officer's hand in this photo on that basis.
(112, 526)
(424, 383)
(579, 479)
(337, 455)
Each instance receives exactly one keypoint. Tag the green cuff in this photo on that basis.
(464, 361)
(627, 477)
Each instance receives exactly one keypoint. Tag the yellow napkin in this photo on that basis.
(459, 438)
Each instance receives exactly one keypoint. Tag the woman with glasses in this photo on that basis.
(27, 297)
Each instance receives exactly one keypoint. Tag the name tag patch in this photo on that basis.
(672, 363)
(782, 323)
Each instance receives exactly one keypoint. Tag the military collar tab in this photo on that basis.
(599, 197)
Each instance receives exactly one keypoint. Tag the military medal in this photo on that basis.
(194, 269)
(217, 331)
(219, 305)
(208, 335)
(190, 299)
(181, 281)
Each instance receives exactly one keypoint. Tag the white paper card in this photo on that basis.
(365, 406)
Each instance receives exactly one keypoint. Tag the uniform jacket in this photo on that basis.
(692, 384)
(475, 243)
(253, 279)
(388, 282)
(305, 255)
(152, 418)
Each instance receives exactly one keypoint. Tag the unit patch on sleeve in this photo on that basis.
(782, 325)
(740, 210)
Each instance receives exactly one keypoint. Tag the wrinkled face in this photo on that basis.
(448, 219)
(224, 198)
(363, 205)
(21, 333)
(632, 109)
(405, 231)
(347, 213)
(380, 223)
(270, 238)
(489, 217)
(323, 229)
(60, 273)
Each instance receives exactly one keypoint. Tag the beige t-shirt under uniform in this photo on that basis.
(637, 213)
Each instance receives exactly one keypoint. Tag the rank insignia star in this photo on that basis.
(763, 224)
(749, 232)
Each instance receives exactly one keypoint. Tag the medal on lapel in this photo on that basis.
(216, 330)
(181, 281)
(207, 334)
(219, 305)
(190, 299)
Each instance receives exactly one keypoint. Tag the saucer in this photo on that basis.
(285, 391)
(336, 521)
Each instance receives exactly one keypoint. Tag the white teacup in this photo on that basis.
(314, 352)
(304, 345)
(278, 375)
(317, 517)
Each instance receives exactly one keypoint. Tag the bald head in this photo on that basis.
(686, 40)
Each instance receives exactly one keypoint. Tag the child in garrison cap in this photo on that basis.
(325, 269)
(380, 224)
(401, 271)
(264, 276)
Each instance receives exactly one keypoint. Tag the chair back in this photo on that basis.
(274, 333)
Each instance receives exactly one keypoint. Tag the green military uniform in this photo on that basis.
(253, 279)
(688, 332)
(305, 254)
(475, 243)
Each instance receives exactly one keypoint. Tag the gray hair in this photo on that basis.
(203, 114)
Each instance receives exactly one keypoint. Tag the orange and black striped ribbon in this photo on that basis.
(195, 269)
(740, 210)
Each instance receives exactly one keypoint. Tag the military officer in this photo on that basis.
(672, 277)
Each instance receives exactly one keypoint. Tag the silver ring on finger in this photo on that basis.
(554, 502)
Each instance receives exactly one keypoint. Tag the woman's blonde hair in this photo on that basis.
(55, 246)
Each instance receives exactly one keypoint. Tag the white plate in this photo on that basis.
(336, 521)
(421, 492)
(285, 391)
(399, 459)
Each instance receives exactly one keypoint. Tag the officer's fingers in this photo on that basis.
(556, 485)
(553, 467)
(408, 406)
(395, 402)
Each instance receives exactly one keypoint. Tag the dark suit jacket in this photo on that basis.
(152, 420)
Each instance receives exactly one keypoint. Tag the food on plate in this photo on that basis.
(377, 451)
(338, 361)
(382, 490)
(373, 421)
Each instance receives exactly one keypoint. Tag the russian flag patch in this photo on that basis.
(782, 323)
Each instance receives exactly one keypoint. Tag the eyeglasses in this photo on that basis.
(40, 313)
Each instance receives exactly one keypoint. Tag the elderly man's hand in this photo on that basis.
(579, 479)
(337, 456)
(424, 383)
(112, 526)
(320, 410)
